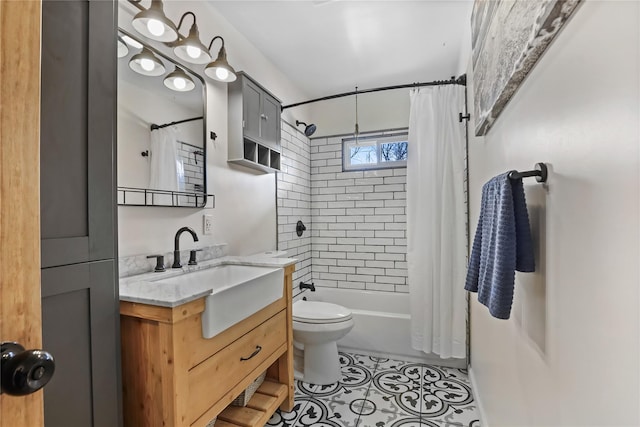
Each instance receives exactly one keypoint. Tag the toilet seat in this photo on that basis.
(317, 312)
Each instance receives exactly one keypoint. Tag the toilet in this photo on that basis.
(317, 326)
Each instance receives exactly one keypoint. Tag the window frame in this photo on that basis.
(379, 139)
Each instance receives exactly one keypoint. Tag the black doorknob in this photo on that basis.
(24, 371)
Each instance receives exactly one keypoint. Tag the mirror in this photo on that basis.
(161, 129)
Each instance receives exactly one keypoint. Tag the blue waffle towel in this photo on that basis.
(501, 246)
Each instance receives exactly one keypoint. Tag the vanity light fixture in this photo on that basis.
(146, 63)
(179, 81)
(123, 49)
(154, 24)
(190, 48)
(220, 69)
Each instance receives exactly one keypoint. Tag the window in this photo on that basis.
(375, 152)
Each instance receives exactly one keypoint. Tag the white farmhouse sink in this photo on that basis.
(237, 291)
(244, 291)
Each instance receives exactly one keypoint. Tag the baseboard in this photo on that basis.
(436, 361)
(476, 395)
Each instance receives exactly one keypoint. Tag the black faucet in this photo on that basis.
(309, 286)
(176, 245)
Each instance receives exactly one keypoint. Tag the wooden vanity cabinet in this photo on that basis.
(174, 377)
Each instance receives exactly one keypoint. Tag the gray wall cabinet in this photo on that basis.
(80, 304)
(254, 125)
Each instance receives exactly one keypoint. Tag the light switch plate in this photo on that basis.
(207, 224)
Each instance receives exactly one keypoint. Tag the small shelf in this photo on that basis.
(258, 411)
(132, 196)
(275, 160)
(259, 156)
(250, 151)
(263, 155)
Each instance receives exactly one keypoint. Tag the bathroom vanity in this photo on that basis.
(173, 376)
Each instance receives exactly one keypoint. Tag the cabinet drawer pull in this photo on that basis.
(265, 117)
(257, 350)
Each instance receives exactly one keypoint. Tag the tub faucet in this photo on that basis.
(309, 286)
(176, 245)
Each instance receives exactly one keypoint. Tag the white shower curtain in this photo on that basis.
(166, 170)
(436, 236)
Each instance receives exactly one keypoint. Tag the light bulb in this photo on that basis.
(194, 52)
(155, 27)
(179, 83)
(123, 50)
(147, 64)
(222, 73)
(131, 42)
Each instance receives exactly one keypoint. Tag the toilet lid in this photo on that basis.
(319, 312)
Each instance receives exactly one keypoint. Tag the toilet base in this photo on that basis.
(321, 363)
(298, 361)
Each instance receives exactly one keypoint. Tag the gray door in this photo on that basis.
(78, 212)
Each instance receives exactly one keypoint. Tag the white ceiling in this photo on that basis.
(330, 46)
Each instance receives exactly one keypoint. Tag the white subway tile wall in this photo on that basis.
(294, 200)
(356, 220)
(359, 223)
(193, 163)
(192, 160)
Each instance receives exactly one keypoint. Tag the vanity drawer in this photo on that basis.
(213, 378)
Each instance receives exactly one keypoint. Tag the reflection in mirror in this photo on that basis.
(161, 144)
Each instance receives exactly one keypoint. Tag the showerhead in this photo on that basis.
(309, 129)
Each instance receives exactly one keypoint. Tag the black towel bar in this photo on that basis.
(540, 172)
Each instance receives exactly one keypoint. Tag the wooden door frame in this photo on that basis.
(20, 312)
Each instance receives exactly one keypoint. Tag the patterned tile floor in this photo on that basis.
(377, 392)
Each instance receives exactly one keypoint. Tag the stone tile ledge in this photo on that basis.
(139, 264)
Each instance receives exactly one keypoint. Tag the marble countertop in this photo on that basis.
(145, 289)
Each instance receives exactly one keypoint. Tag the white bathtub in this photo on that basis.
(382, 324)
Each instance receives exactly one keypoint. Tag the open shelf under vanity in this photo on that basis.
(269, 396)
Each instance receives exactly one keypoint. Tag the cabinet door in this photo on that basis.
(80, 324)
(77, 138)
(270, 130)
(251, 95)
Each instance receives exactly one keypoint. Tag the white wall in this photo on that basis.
(294, 201)
(245, 211)
(376, 111)
(359, 238)
(569, 355)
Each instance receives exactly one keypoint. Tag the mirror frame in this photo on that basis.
(149, 194)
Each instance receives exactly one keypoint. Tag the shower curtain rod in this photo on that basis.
(155, 126)
(462, 80)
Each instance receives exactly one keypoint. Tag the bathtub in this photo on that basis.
(382, 324)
